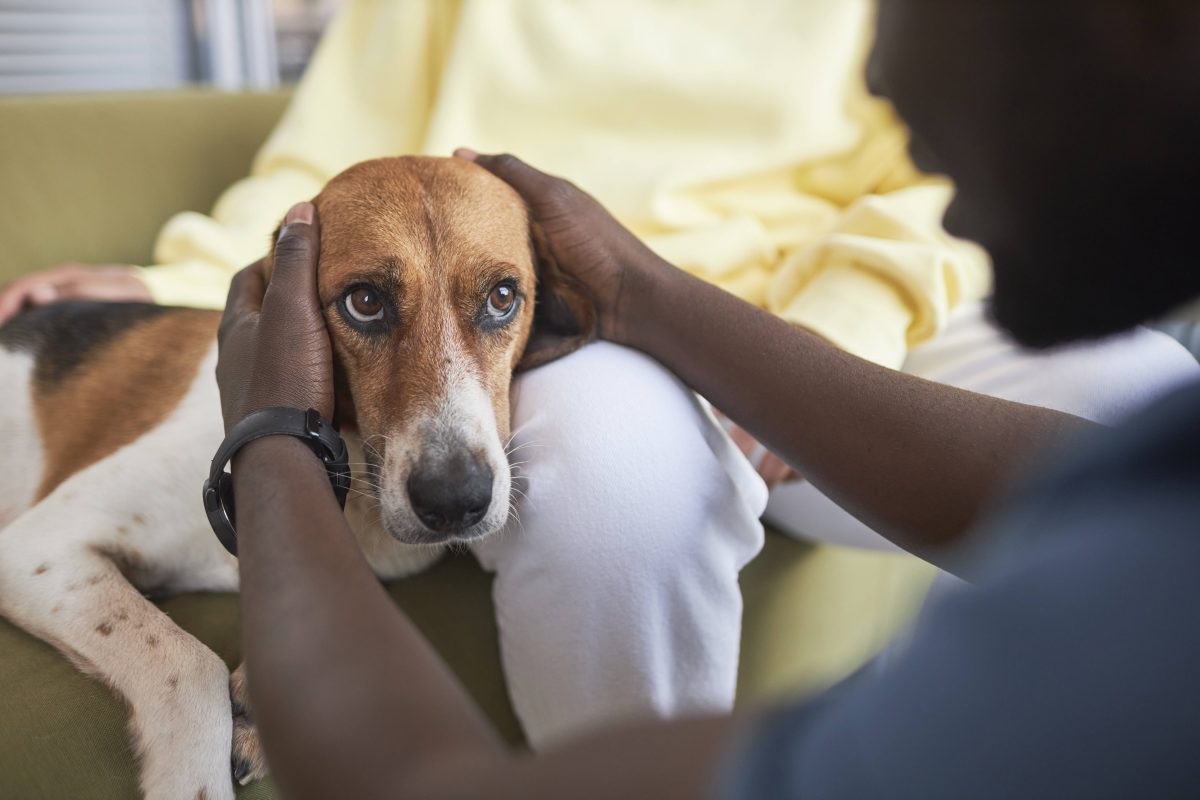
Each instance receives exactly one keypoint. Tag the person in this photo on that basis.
(1066, 670)
(776, 177)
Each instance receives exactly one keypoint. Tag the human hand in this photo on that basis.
(72, 281)
(770, 467)
(274, 348)
(585, 240)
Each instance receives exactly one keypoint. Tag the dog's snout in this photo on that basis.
(452, 496)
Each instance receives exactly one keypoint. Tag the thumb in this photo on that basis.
(294, 271)
(530, 183)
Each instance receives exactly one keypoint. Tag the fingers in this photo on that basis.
(38, 289)
(42, 293)
(294, 271)
(529, 182)
(774, 470)
(246, 290)
(12, 299)
(281, 356)
(744, 441)
(293, 282)
(769, 466)
(72, 281)
(118, 283)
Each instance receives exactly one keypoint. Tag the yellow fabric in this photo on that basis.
(736, 138)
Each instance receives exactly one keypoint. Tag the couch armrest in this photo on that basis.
(92, 178)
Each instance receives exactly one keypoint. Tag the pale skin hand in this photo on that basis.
(770, 467)
(73, 281)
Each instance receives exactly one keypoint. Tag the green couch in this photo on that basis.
(92, 179)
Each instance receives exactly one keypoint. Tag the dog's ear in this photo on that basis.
(564, 314)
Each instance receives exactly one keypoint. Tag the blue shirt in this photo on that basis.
(1070, 669)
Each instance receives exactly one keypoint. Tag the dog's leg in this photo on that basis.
(249, 760)
(70, 572)
(75, 595)
(21, 458)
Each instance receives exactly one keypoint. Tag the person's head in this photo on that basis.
(1072, 129)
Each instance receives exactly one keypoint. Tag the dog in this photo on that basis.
(436, 287)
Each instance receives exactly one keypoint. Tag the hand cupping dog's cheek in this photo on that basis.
(274, 347)
(584, 241)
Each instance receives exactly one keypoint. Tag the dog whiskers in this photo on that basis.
(513, 434)
(521, 446)
(354, 494)
(513, 515)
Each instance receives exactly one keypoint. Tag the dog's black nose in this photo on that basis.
(453, 496)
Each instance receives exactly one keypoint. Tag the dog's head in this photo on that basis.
(436, 286)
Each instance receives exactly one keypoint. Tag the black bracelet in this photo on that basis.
(319, 435)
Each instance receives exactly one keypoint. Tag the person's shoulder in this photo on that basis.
(1077, 629)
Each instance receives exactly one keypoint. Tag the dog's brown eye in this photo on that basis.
(501, 300)
(364, 305)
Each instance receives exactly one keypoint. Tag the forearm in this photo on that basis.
(915, 460)
(348, 696)
(352, 702)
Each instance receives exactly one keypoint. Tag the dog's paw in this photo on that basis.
(249, 763)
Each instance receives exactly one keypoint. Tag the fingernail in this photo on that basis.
(301, 212)
(466, 154)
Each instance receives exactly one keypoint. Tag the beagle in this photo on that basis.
(428, 274)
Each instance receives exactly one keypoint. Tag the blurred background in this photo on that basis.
(125, 45)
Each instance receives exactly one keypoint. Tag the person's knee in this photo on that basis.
(606, 409)
(617, 450)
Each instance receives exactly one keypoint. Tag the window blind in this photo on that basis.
(93, 45)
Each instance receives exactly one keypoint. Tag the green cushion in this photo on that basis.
(812, 614)
(63, 735)
(93, 178)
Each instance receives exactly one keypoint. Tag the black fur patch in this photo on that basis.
(61, 335)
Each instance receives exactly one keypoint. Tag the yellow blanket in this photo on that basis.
(737, 139)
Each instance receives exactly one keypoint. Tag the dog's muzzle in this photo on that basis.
(451, 494)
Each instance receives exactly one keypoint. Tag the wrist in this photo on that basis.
(639, 308)
(261, 450)
(271, 452)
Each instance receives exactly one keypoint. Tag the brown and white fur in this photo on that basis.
(110, 415)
